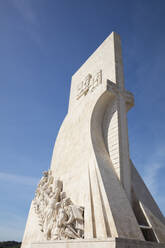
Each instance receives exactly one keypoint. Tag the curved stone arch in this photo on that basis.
(111, 192)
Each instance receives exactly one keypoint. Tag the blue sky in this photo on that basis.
(43, 42)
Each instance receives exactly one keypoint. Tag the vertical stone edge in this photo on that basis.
(125, 169)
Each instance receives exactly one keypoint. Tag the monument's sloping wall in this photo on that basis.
(151, 211)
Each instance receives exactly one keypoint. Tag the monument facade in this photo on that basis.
(93, 196)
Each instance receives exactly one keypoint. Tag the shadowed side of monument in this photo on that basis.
(92, 190)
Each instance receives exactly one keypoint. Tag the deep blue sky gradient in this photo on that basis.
(43, 42)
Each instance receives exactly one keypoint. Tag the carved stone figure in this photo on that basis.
(59, 227)
(75, 218)
(49, 217)
(58, 217)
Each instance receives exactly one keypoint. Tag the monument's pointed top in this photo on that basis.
(104, 64)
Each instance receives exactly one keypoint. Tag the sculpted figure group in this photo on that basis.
(58, 217)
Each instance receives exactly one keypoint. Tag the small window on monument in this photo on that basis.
(146, 229)
(141, 219)
(148, 234)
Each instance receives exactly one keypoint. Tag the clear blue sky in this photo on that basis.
(43, 42)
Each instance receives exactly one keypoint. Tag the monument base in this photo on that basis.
(95, 243)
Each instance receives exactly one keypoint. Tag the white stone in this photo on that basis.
(91, 158)
(108, 243)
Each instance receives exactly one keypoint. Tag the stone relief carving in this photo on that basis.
(89, 84)
(58, 217)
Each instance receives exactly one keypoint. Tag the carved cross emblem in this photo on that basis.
(89, 84)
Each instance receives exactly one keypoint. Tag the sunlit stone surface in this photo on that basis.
(92, 196)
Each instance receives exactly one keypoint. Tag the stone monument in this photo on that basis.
(93, 196)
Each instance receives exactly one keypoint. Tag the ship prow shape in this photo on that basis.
(103, 202)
